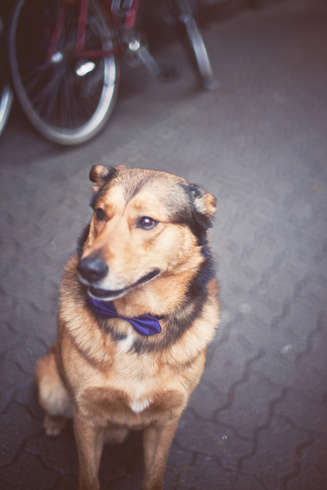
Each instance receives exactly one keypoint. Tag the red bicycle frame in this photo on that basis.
(129, 22)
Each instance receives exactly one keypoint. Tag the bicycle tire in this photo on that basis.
(6, 99)
(200, 53)
(63, 105)
(6, 95)
(185, 12)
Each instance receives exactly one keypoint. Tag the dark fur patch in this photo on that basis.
(189, 216)
(132, 191)
(107, 174)
(109, 329)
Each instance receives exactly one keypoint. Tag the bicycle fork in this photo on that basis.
(129, 9)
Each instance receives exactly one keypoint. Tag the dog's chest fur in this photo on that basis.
(131, 400)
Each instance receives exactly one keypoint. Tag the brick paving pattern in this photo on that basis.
(258, 419)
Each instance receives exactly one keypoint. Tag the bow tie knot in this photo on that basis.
(144, 324)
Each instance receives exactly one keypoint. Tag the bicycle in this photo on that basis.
(64, 62)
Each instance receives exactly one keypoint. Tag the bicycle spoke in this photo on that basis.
(35, 71)
(78, 109)
(52, 99)
(30, 86)
(64, 106)
(45, 93)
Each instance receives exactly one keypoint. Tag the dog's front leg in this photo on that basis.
(89, 440)
(157, 441)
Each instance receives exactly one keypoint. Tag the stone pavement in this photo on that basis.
(258, 419)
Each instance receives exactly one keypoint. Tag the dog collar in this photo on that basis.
(144, 324)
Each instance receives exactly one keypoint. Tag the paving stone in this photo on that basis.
(27, 396)
(207, 473)
(27, 354)
(304, 314)
(212, 439)
(178, 461)
(249, 482)
(314, 479)
(13, 379)
(250, 405)
(27, 474)
(10, 339)
(17, 425)
(227, 363)
(304, 375)
(313, 459)
(264, 337)
(36, 318)
(57, 453)
(274, 457)
(303, 411)
(206, 400)
(66, 482)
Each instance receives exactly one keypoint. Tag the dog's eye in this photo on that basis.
(146, 223)
(99, 214)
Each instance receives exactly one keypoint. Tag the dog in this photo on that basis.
(138, 308)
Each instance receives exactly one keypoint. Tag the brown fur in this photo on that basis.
(105, 374)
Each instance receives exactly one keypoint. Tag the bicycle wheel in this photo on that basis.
(67, 99)
(6, 98)
(200, 52)
(185, 13)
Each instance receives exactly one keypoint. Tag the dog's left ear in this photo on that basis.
(101, 174)
(204, 206)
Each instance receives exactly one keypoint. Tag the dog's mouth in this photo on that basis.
(107, 294)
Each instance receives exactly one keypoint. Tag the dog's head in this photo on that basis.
(146, 224)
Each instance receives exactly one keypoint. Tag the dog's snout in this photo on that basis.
(92, 269)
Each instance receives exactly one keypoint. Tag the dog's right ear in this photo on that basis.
(101, 174)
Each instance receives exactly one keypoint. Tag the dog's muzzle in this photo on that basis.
(92, 269)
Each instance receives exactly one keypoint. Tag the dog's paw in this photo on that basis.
(54, 425)
(115, 436)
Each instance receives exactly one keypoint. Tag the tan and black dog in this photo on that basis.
(138, 308)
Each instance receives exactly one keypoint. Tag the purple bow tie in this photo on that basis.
(144, 324)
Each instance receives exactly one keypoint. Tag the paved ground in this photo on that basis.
(258, 418)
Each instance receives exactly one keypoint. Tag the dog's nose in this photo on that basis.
(91, 269)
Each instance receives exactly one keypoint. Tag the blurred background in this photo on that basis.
(257, 141)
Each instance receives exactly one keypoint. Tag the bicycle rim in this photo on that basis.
(184, 11)
(67, 99)
(6, 99)
(200, 53)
